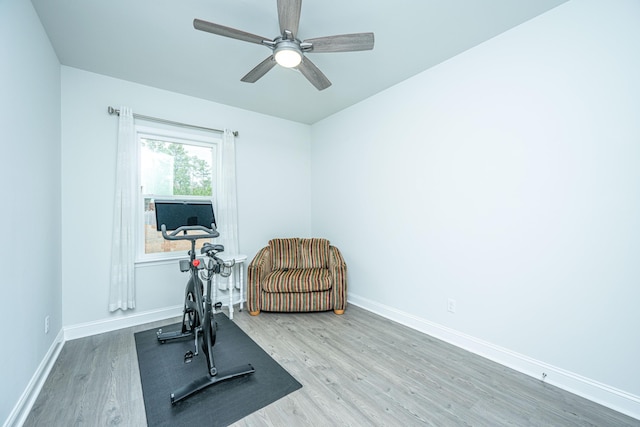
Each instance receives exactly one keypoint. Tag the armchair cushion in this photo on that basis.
(298, 280)
(314, 253)
(284, 253)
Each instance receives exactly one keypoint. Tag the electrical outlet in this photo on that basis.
(451, 305)
(46, 325)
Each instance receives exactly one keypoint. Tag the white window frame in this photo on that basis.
(181, 136)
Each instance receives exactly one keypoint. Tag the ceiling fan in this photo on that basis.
(288, 50)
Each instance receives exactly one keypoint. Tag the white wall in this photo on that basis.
(30, 278)
(273, 176)
(507, 178)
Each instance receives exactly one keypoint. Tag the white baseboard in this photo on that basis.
(122, 321)
(18, 416)
(602, 394)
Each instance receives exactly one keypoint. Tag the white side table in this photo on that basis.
(232, 283)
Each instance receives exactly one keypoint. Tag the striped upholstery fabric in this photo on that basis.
(314, 253)
(315, 281)
(296, 302)
(284, 253)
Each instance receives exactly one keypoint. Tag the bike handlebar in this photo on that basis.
(208, 232)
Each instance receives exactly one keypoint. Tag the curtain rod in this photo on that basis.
(115, 111)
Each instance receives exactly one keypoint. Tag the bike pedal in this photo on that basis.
(188, 356)
(217, 305)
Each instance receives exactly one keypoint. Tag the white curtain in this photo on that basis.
(227, 210)
(122, 285)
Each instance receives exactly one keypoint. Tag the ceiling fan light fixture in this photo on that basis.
(288, 51)
(287, 54)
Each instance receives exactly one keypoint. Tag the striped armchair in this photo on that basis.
(293, 275)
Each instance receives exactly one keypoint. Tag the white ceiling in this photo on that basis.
(153, 42)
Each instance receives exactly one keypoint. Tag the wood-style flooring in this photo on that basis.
(358, 369)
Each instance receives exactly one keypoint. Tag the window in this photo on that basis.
(173, 164)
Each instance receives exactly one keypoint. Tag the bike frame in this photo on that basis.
(203, 322)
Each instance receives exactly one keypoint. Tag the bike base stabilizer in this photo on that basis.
(204, 382)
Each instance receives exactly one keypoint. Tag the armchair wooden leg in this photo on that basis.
(338, 312)
(254, 313)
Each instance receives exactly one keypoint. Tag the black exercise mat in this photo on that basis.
(162, 371)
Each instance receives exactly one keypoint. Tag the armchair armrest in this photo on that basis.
(259, 267)
(338, 269)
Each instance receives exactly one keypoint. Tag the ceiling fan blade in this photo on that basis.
(342, 43)
(221, 30)
(313, 74)
(259, 70)
(289, 15)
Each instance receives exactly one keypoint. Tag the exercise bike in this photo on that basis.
(198, 317)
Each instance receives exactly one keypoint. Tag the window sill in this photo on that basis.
(151, 262)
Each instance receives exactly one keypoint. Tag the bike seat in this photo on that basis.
(208, 247)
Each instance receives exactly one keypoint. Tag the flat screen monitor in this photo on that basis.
(178, 213)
